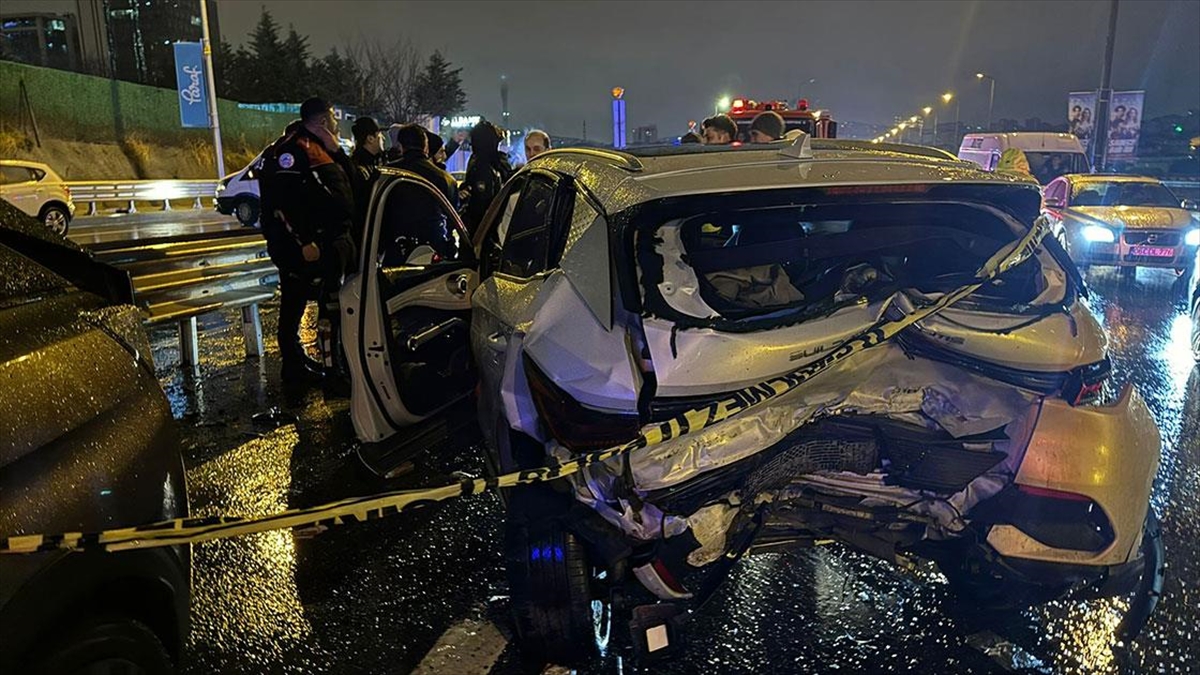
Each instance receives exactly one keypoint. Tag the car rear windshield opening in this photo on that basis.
(754, 262)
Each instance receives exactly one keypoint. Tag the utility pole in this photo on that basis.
(214, 120)
(1100, 149)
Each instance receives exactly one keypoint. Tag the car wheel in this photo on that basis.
(57, 219)
(246, 212)
(108, 644)
(550, 580)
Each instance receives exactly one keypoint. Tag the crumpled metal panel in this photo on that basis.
(882, 381)
(591, 364)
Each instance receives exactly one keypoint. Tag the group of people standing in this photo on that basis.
(314, 201)
(722, 130)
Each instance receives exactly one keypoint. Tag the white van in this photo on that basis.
(1050, 154)
(237, 193)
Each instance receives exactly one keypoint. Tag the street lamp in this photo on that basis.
(946, 98)
(991, 95)
(926, 110)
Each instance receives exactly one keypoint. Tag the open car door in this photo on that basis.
(406, 314)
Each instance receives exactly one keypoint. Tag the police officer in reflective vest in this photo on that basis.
(308, 212)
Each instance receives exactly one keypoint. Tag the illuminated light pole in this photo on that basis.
(618, 114)
(926, 110)
(946, 98)
(991, 95)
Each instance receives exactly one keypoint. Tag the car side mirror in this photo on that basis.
(1190, 205)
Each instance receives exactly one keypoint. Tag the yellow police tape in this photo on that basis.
(195, 530)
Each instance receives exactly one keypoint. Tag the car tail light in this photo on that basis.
(575, 426)
(1085, 384)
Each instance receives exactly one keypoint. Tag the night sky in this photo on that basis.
(870, 60)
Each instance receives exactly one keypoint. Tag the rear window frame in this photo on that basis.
(638, 278)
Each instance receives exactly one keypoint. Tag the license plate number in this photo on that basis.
(1153, 251)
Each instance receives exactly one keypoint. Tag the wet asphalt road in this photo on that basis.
(425, 592)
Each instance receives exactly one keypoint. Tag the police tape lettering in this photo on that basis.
(372, 507)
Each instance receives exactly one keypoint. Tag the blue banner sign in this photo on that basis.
(193, 95)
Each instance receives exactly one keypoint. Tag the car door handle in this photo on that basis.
(497, 342)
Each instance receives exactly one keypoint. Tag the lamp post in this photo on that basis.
(206, 47)
(991, 95)
(926, 110)
(946, 98)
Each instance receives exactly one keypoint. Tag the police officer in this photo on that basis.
(308, 216)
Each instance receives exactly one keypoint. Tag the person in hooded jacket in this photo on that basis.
(487, 171)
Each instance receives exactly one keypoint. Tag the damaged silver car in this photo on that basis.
(620, 292)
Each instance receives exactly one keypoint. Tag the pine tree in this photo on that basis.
(439, 90)
(265, 67)
(295, 85)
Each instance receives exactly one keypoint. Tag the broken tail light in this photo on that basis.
(1085, 384)
(576, 426)
(1056, 518)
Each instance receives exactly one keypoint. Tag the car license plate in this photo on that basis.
(1153, 251)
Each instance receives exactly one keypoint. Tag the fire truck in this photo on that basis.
(816, 124)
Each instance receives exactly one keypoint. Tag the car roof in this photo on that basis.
(623, 179)
(1109, 178)
(26, 164)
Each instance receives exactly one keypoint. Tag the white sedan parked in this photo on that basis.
(37, 190)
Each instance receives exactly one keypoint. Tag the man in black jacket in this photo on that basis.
(308, 214)
(423, 220)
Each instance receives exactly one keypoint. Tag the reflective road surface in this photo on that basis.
(425, 592)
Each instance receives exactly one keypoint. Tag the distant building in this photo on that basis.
(646, 134)
(127, 39)
(43, 39)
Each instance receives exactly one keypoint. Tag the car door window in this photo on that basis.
(526, 246)
(417, 228)
(15, 174)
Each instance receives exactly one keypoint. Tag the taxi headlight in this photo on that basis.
(1099, 233)
(1192, 238)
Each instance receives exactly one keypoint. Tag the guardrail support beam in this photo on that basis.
(166, 205)
(132, 207)
(91, 208)
(189, 345)
(252, 330)
(197, 204)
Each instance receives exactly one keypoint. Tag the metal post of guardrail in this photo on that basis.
(252, 330)
(197, 204)
(189, 345)
(166, 205)
(132, 208)
(91, 208)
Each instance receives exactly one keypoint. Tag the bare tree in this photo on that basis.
(390, 75)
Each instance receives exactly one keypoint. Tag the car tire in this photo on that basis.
(550, 582)
(246, 211)
(105, 644)
(56, 218)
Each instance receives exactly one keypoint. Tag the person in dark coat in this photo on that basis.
(308, 214)
(487, 171)
(412, 216)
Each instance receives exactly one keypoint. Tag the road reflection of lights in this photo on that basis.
(1086, 633)
(1177, 353)
(245, 588)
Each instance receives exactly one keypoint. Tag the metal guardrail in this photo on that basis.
(181, 278)
(132, 191)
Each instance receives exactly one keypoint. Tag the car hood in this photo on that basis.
(1135, 217)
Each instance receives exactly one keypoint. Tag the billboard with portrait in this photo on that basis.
(1081, 117)
(1125, 124)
